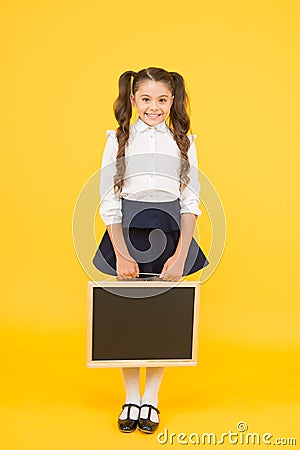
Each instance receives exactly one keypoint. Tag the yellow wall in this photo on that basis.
(60, 65)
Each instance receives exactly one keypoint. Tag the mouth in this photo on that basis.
(152, 116)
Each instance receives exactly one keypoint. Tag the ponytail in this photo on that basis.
(123, 112)
(180, 125)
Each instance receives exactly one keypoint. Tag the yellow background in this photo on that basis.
(60, 64)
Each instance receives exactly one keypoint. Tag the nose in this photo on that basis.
(153, 106)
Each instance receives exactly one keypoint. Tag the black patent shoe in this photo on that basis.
(128, 425)
(146, 425)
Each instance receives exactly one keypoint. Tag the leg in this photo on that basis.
(131, 377)
(153, 379)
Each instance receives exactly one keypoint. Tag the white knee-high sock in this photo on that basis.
(153, 379)
(131, 378)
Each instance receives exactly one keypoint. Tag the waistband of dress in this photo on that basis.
(141, 214)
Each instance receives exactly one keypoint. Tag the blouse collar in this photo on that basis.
(142, 126)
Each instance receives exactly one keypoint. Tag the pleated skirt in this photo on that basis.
(151, 232)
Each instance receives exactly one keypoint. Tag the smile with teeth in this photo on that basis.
(153, 115)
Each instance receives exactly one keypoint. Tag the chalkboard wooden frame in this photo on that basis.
(93, 362)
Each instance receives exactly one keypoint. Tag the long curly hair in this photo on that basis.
(178, 121)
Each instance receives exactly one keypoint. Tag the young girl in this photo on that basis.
(149, 193)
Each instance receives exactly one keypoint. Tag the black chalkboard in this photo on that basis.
(142, 323)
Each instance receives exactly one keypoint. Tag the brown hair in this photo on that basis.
(179, 121)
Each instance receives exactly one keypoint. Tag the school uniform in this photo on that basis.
(150, 204)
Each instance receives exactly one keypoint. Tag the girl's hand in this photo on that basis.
(173, 269)
(126, 268)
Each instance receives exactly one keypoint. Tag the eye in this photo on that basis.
(163, 100)
(145, 99)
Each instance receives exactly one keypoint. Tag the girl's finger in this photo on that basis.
(164, 270)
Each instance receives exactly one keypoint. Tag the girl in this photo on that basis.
(149, 191)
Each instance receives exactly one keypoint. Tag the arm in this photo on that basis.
(126, 266)
(188, 222)
(189, 201)
(111, 211)
(173, 268)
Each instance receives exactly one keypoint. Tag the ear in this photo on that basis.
(132, 100)
(172, 99)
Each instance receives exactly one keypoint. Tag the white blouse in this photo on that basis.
(152, 160)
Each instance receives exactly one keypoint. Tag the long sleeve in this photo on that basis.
(190, 196)
(110, 203)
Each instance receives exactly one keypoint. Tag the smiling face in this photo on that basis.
(153, 101)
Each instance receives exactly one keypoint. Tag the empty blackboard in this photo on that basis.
(142, 323)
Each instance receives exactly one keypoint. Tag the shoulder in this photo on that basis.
(192, 137)
(111, 147)
(111, 134)
(112, 140)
